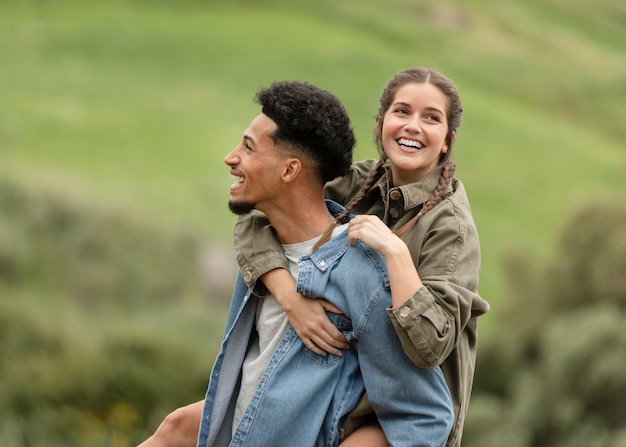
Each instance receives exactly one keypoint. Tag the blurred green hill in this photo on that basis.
(137, 102)
(114, 121)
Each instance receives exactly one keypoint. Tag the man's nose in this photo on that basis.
(230, 158)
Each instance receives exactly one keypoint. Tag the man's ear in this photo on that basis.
(291, 169)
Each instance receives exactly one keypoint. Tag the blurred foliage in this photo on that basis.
(80, 364)
(552, 373)
(106, 259)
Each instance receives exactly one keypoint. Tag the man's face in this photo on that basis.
(254, 165)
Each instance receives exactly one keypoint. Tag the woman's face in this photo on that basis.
(414, 130)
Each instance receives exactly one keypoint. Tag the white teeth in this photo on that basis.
(410, 143)
(237, 178)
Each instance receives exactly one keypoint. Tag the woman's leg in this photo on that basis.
(178, 429)
(369, 435)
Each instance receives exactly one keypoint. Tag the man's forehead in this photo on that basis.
(261, 127)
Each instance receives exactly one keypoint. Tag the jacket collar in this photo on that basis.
(413, 194)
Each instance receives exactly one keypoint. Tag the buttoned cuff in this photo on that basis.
(412, 308)
(253, 270)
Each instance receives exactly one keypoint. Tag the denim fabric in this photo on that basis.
(438, 325)
(303, 397)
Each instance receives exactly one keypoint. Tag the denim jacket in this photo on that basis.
(438, 324)
(303, 397)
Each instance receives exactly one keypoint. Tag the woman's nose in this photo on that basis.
(413, 124)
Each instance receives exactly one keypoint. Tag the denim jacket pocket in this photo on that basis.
(345, 326)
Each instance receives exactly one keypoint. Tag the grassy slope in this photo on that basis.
(137, 104)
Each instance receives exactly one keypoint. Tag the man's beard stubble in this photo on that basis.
(240, 208)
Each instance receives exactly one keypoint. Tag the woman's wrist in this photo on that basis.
(281, 285)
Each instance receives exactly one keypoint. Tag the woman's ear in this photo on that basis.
(378, 132)
(447, 146)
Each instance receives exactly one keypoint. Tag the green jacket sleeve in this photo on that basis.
(257, 249)
(440, 316)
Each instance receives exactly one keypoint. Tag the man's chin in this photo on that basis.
(240, 208)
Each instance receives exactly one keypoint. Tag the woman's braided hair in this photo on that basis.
(453, 115)
(437, 196)
(373, 176)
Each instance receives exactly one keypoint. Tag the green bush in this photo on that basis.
(98, 258)
(84, 292)
(552, 373)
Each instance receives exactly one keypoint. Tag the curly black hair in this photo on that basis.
(312, 121)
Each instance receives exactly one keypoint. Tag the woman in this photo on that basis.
(432, 254)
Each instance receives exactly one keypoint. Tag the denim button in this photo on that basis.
(395, 194)
(404, 312)
(322, 263)
(394, 212)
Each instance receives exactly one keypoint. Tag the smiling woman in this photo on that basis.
(415, 132)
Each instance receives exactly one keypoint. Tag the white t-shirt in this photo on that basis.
(271, 322)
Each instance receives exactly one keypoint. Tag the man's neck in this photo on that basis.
(298, 219)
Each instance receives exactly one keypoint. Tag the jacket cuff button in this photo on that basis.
(247, 276)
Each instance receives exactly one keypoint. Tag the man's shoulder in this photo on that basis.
(357, 260)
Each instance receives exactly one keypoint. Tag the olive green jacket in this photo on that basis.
(437, 325)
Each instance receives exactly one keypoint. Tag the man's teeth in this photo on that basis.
(409, 143)
(237, 178)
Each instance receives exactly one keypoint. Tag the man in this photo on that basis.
(266, 388)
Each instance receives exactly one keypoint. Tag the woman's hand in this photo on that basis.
(403, 276)
(372, 231)
(306, 315)
(308, 318)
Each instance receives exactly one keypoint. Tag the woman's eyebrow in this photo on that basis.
(434, 109)
(401, 103)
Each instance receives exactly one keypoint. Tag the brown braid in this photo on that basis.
(373, 176)
(437, 196)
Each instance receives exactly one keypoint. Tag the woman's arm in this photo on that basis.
(403, 277)
(257, 250)
(306, 315)
(431, 309)
(260, 256)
